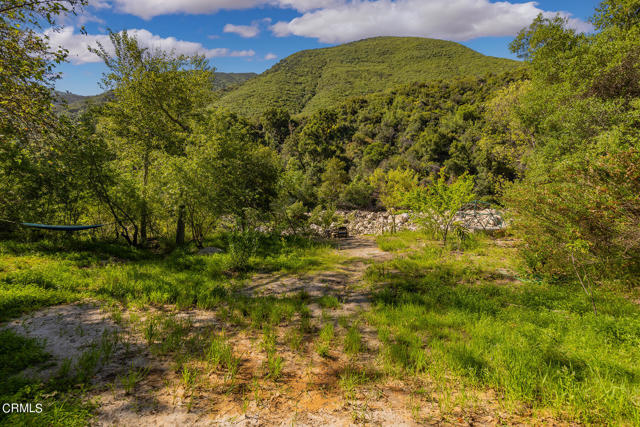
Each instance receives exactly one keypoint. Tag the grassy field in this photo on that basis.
(460, 331)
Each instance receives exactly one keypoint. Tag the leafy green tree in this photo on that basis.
(334, 180)
(392, 187)
(229, 171)
(437, 205)
(358, 194)
(27, 64)
(35, 145)
(572, 208)
(277, 126)
(157, 96)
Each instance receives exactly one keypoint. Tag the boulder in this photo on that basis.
(210, 250)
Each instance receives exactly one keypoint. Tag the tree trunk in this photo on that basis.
(393, 221)
(180, 226)
(144, 216)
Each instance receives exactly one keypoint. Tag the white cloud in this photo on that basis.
(445, 19)
(77, 44)
(147, 9)
(270, 56)
(246, 31)
(239, 53)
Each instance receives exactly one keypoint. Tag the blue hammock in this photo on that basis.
(61, 227)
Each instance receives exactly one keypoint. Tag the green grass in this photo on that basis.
(399, 241)
(538, 343)
(353, 341)
(325, 338)
(37, 275)
(62, 398)
(49, 272)
(462, 319)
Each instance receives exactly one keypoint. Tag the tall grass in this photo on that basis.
(37, 275)
(538, 343)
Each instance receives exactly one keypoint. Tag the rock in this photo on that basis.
(210, 250)
(403, 217)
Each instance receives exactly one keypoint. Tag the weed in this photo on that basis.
(132, 378)
(324, 339)
(294, 339)
(189, 376)
(274, 364)
(220, 355)
(353, 377)
(353, 341)
(329, 301)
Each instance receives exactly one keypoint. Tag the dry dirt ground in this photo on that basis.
(309, 392)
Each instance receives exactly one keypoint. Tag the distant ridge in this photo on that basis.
(313, 79)
(77, 103)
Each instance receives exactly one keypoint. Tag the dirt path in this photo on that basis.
(342, 282)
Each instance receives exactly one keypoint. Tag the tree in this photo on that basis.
(37, 182)
(576, 203)
(27, 64)
(157, 97)
(277, 126)
(392, 187)
(437, 205)
(334, 180)
(228, 171)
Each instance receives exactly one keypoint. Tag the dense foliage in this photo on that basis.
(577, 208)
(422, 127)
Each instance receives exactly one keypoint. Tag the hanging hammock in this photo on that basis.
(61, 227)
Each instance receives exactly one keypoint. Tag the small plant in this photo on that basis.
(150, 330)
(294, 339)
(436, 207)
(329, 301)
(324, 339)
(353, 341)
(220, 354)
(351, 378)
(88, 364)
(189, 376)
(132, 378)
(242, 246)
(274, 365)
(108, 345)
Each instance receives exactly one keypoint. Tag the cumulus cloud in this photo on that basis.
(445, 19)
(270, 56)
(246, 31)
(77, 44)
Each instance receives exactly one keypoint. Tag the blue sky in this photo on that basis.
(252, 35)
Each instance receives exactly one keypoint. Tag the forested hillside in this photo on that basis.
(313, 79)
(423, 127)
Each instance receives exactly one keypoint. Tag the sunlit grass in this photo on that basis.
(538, 343)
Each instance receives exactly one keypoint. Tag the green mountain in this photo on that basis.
(313, 79)
(224, 81)
(75, 104)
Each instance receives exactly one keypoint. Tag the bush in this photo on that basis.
(242, 246)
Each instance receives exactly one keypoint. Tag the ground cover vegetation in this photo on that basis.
(214, 284)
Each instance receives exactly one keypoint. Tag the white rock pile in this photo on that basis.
(365, 222)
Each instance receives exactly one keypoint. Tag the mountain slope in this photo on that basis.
(313, 79)
(228, 80)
